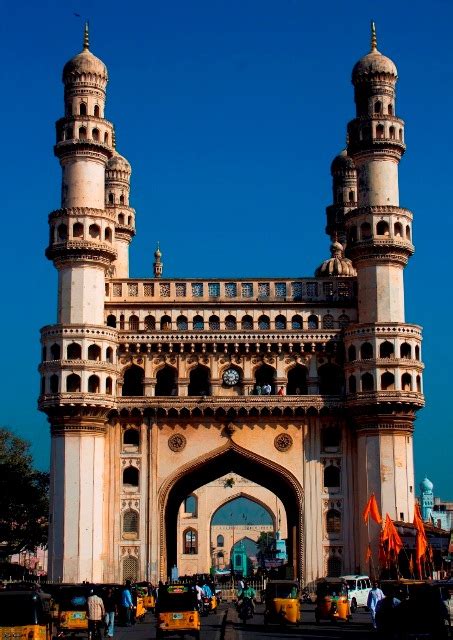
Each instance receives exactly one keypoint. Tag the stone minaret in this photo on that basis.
(383, 352)
(344, 187)
(158, 265)
(79, 351)
(117, 191)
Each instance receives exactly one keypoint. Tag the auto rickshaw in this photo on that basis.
(139, 603)
(177, 612)
(282, 604)
(149, 600)
(72, 610)
(25, 614)
(332, 601)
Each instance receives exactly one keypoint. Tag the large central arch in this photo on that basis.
(231, 458)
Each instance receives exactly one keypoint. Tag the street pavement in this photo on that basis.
(224, 625)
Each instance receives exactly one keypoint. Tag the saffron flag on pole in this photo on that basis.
(421, 542)
(395, 543)
(368, 553)
(372, 510)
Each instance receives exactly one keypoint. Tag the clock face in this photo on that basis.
(230, 377)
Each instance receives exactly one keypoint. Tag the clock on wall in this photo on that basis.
(230, 377)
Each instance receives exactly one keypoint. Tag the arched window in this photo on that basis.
(108, 386)
(198, 323)
(94, 231)
(182, 323)
(165, 323)
(82, 133)
(343, 321)
(398, 230)
(69, 133)
(418, 381)
(130, 569)
(121, 199)
(199, 381)
(62, 232)
(55, 352)
(111, 321)
(214, 323)
(96, 111)
(264, 323)
(247, 323)
(406, 382)
(400, 135)
(280, 323)
(330, 378)
(330, 438)
(106, 137)
(230, 323)
(312, 322)
(74, 351)
(95, 135)
(417, 352)
(296, 323)
(352, 384)
(108, 234)
(352, 353)
(130, 523)
(352, 235)
(190, 542)
(332, 477)
(131, 477)
(378, 106)
(73, 383)
(120, 218)
(83, 109)
(367, 382)
(327, 321)
(133, 381)
(297, 381)
(68, 109)
(77, 230)
(265, 375)
(109, 354)
(167, 381)
(112, 201)
(129, 220)
(392, 133)
(191, 505)
(134, 323)
(387, 381)
(131, 440)
(54, 383)
(390, 109)
(333, 522)
(386, 350)
(380, 132)
(365, 231)
(220, 541)
(334, 567)
(93, 384)
(94, 352)
(382, 228)
(366, 351)
(406, 351)
(150, 323)
(351, 196)
(122, 321)
(408, 232)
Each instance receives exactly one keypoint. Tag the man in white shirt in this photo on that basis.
(374, 596)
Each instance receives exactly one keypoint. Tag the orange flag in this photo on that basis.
(394, 541)
(421, 542)
(372, 510)
(382, 553)
(411, 566)
(368, 553)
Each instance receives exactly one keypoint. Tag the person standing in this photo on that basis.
(110, 611)
(375, 594)
(267, 389)
(127, 604)
(281, 391)
(96, 614)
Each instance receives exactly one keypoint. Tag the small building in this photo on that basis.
(434, 511)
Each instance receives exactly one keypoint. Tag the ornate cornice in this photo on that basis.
(384, 363)
(379, 210)
(81, 212)
(361, 399)
(59, 402)
(76, 365)
(383, 330)
(77, 251)
(84, 422)
(96, 332)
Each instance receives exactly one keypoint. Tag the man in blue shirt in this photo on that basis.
(127, 604)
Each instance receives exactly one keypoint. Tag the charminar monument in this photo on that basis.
(155, 387)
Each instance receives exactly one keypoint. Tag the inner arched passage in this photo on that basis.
(220, 462)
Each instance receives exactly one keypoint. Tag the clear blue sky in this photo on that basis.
(230, 113)
(241, 511)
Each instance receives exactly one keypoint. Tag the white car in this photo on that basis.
(358, 590)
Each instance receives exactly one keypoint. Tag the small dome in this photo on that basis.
(118, 163)
(342, 163)
(85, 62)
(426, 486)
(373, 63)
(158, 252)
(337, 265)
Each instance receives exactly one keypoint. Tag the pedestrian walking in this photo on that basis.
(127, 604)
(96, 615)
(110, 612)
(374, 596)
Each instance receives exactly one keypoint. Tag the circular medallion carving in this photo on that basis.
(283, 442)
(177, 442)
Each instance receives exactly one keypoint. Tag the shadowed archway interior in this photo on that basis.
(250, 466)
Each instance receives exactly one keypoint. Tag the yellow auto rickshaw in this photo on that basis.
(282, 604)
(72, 610)
(25, 615)
(177, 612)
(149, 601)
(332, 601)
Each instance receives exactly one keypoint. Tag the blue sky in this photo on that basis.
(230, 113)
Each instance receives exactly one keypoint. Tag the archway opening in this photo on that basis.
(265, 377)
(297, 381)
(167, 381)
(133, 381)
(254, 468)
(200, 384)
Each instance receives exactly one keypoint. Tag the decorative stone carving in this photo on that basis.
(177, 442)
(283, 442)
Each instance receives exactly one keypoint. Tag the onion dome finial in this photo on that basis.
(86, 37)
(373, 37)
